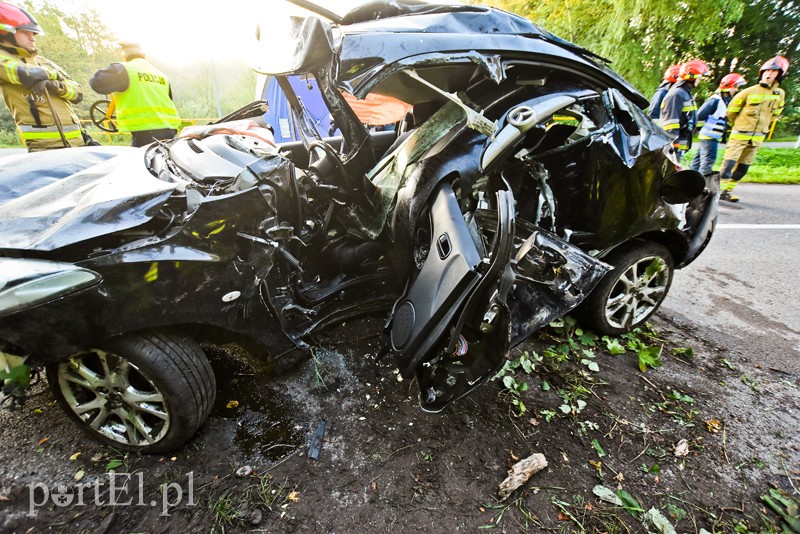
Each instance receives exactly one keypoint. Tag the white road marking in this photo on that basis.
(759, 226)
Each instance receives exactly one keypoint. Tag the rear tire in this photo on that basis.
(628, 295)
(146, 392)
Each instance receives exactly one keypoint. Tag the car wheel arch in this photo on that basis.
(674, 242)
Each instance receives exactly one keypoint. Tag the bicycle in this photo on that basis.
(103, 115)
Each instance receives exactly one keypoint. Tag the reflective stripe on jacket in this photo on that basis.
(679, 114)
(146, 104)
(752, 111)
(712, 118)
(19, 70)
(72, 131)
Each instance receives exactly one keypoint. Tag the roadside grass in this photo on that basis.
(771, 166)
(775, 166)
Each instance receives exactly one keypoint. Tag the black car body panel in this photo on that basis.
(523, 163)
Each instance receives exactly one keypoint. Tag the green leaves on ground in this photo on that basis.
(15, 377)
(786, 507)
(570, 355)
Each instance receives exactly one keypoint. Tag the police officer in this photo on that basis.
(751, 113)
(38, 93)
(142, 97)
(679, 110)
(713, 123)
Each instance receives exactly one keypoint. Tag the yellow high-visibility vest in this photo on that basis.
(146, 104)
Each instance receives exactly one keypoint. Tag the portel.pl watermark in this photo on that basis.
(113, 489)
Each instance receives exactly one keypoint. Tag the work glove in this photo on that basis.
(36, 75)
(53, 87)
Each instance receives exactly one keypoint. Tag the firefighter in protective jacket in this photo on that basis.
(751, 113)
(142, 97)
(38, 93)
(670, 77)
(713, 123)
(679, 110)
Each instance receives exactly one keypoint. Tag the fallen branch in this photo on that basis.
(519, 474)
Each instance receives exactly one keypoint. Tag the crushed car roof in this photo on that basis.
(376, 34)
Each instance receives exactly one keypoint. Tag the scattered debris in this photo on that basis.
(661, 523)
(316, 441)
(244, 471)
(713, 426)
(607, 495)
(520, 472)
(682, 448)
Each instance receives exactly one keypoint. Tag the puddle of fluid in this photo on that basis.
(262, 419)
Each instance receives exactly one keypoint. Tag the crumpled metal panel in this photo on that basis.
(391, 173)
(365, 48)
(637, 138)
(384, 33)
(384, 9)
(22, 173)
(112, 196)
(312, 48)
(554, 277)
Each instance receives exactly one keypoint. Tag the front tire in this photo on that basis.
(629, 294)
(147, 392)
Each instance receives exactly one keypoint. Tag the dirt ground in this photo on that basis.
(385, 466)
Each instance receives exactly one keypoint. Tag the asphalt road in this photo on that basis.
(742, 292)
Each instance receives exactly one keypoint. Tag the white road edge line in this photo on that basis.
(759, 226)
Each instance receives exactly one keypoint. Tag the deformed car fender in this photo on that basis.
(166, 282)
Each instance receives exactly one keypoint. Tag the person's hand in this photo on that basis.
(51, 86)
(39, 86)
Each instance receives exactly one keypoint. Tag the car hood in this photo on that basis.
(102, 198)
(22, 173)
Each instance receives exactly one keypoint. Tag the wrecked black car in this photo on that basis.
(523, 183)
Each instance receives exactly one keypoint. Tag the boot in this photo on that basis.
(738, 174)
(726, 186)
(726, 183)
(726, 196)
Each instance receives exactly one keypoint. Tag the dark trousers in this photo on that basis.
(145, 137)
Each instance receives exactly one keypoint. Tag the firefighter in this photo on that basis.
(750, 113)
(679, 110)
(713, 123)
(142, 97)
(38, 93)
(670, 77)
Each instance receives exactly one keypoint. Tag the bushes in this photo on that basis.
(9, 139)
